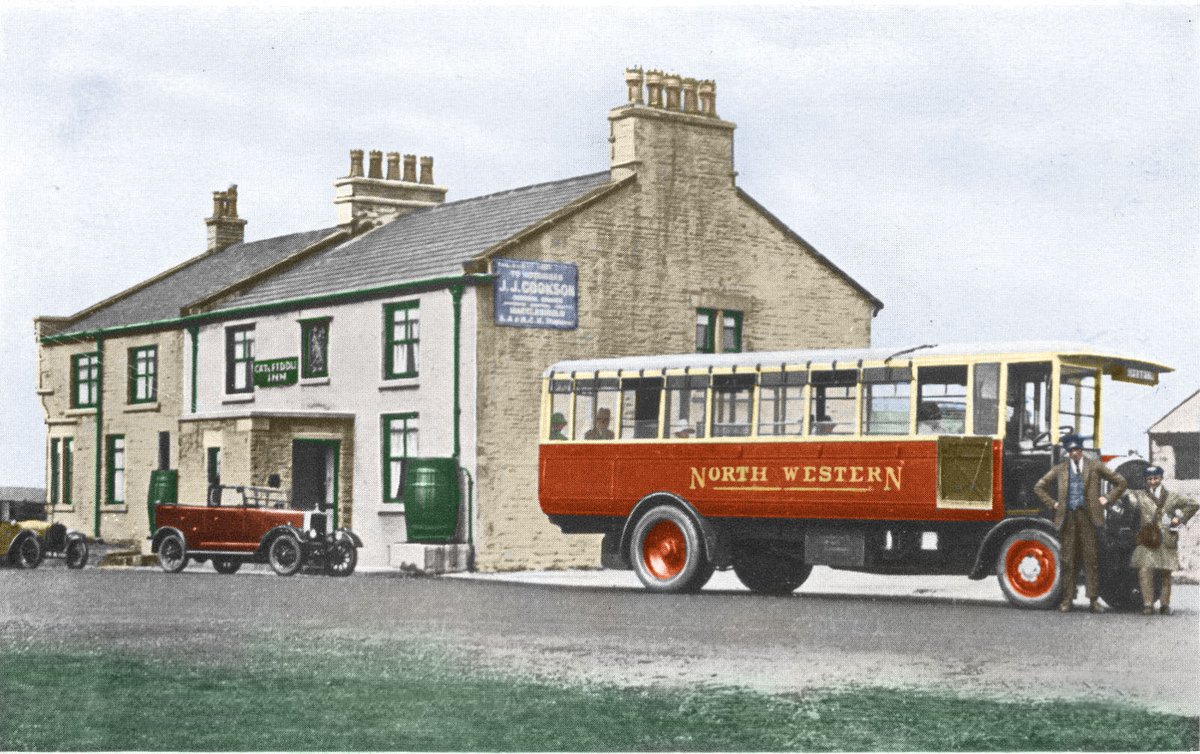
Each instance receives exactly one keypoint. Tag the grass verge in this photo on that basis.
(395, 696)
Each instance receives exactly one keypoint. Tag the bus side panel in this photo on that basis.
(865, 480)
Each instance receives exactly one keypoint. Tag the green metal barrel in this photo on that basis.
(164, 488)
(431, 497)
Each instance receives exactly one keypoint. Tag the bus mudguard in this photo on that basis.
(989, 549)
(714, 546)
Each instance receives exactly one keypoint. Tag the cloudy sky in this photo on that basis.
(990, 173)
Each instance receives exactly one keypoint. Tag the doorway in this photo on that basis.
(315, 475)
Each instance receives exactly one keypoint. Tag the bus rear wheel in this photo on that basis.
(667, 551)
(1030, 569)
(765, 571)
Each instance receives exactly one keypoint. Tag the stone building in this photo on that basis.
(336, 366)
(1175, 445)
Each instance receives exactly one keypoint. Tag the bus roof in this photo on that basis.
(851, 357)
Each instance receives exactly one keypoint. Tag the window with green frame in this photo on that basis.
(706, 320)
(55, 462)
(402, 336)
(314, 347)
(718, 327)
(143, 374)
(68, 469)
(239, 359)
(731, 331)
(85, 380)
(399, 443)
(114, 467)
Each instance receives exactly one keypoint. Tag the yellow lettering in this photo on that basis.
(742, 471)
(697, 478)
(841, 473)
(760, 474)
(874, 474)
(810, 473)
(856, 473)
(714, 474)
(789, 473)
(893, 478)
(825, 474)
(727, 474)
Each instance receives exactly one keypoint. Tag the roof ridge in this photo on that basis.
(510, 191)
(1168, 415)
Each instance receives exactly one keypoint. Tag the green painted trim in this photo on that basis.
(97, 491)
(337, 471)
(456, 292)
(737, 330)
(710, 343)
(75, 382)
(55, 462)
(396, 289)
(131, 368)
(110, 469)
(68, 475)
(194, 332)
(306, 327)
(389, 329)
(385, 453)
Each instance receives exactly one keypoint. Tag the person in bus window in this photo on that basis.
(558, 423)
(1078, 512)
(1168, 511)
(600, 430)
(681, 428)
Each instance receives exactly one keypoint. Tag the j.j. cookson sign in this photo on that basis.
(536, 294)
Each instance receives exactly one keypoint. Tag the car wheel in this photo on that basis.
(172, 553)
(285, 555)
(667, 551)
(76, 553)
(26, 552)
(1030, 569)
(226, 566)
(764, 571)
(340, 557)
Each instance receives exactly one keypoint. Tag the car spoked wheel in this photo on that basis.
(226, 566)
(340, 557)
(285, 555)
(668, 551)
(1030, 569)
(27, 553)
(76, 553)
(172, 553)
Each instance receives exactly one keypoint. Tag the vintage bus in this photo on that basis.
(914, 461)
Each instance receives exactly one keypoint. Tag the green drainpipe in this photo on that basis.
(456, 292)
(99, 431)
(194, 331)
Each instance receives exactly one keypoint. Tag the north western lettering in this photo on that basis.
(889, 476)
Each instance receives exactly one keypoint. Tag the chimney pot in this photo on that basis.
(427, 170)
(671, 85)
(633, 80)
(707, 92)
(218, 205)
(375, 170)
(393, 168)
(356, 163)
(689, 95)
(654, 88)
(231, 202)
(225, 228)
(410, 168)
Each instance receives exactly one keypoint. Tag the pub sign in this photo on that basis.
(276, 372)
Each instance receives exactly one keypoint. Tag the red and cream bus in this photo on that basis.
(913, 461)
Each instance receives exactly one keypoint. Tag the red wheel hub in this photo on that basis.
(1029, 566)
(664, 550)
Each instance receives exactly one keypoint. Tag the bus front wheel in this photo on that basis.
(667, 551)
(1030, 569)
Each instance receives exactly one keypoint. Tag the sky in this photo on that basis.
(991, 173)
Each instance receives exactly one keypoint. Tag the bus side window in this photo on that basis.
(595, 407)
(942, 400)
(732, 404)
(639, 407)
(833, 397)
(560, 408)
(887, 395)
(781, 403)
(687, 398)
(985, 403)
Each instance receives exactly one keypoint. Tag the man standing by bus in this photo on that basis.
(1078, 512)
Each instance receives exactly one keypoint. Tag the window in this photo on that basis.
(640, 399)
(781, 403)
(941, 400)
(596, 402)
(833, 402)
(114, 446)
(687, 405)
(68, 469)
(402, 336)
(728, 321)
(314, 347)
(560, 408)
(985, 406)
(1027, 425)
(732, 395)
(1077, 403)
(400, 442)
(239, 359)
(85, 380)
(886, 399)
(55, 462)
(143, 374)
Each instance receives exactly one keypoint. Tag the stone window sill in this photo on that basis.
(135, 407)
(57, 422)
(238, 398)
(122, 508)
(64, 508)
(45, 391)
(392, 509)
(403, 383)
(314, 381)
(90, 411)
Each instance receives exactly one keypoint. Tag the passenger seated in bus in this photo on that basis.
(682, 429)
(558, 423)
(600, 430)
(821, 424)
(929, 418)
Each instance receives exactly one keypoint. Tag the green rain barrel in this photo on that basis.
(431, 498)
(164, 488)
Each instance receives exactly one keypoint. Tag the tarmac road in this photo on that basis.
(615, 634)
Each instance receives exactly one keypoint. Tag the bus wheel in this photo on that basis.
(668, 551)
(1120, 588)
(1030, 569)
(764, 571)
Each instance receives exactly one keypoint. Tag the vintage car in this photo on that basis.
(252, 525)
(24, 544)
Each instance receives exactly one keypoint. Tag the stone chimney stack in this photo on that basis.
(370, 200)
(674, 129)
(225, 228)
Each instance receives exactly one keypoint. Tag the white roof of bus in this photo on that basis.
(850, 357)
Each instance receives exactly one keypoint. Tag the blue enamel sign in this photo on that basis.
(536, 294)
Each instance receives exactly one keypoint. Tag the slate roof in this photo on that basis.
(1184, 418)
(428, 243)
(164, 297)
(22, 494)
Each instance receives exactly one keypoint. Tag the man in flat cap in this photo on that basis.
(1166, 511)
(1078, 512)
